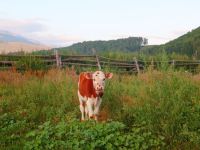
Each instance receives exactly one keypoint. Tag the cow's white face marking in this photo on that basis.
(99, 81)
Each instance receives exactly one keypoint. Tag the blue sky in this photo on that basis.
(63, 22)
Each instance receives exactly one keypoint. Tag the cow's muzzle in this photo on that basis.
(99, 93)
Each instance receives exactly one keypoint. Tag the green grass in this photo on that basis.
(155, 110)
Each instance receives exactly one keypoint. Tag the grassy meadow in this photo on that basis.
(153, 110)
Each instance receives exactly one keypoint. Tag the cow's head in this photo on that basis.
(99, 78)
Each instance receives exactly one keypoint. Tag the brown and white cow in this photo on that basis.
(90, 91)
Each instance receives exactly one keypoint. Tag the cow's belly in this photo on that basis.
(93, 100)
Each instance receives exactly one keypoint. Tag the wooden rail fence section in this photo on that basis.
(60, 61)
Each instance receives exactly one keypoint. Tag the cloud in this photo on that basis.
(3, 13)
(57, 39)
(38, 30)
(22, 26)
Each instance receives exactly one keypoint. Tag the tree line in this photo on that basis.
(130, 44)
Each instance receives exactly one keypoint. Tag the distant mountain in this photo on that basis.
(130, 44)
(10, 42)
(10, 47)
(187, 44)
(10, 37)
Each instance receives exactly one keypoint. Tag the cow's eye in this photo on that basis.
(104, 79)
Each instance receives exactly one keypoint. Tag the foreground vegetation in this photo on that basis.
(154, 110)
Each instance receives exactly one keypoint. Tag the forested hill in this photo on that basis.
(130, 44)
(188, 44)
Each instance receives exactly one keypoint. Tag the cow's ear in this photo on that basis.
(88, 75)
(109, 75)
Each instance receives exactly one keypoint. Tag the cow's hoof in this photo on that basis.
(92, 117)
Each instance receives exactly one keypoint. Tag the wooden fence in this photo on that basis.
(94, 61)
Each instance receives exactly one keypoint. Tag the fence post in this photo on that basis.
(137, 66)
(58, 59)
(98, 63)
(97, 58)
(173, 63)
(152, 63)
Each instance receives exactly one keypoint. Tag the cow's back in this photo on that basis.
(86, 88)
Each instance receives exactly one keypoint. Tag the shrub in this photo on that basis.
(30, 63)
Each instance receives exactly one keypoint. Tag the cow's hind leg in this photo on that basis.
(82, 109)
(82, 106)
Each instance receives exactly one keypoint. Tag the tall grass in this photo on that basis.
(156, 109)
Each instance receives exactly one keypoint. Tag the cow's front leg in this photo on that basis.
(82, 111)
(90, 102)
(97, 107)
(86, 112)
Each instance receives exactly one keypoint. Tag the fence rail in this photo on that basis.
(9, 61)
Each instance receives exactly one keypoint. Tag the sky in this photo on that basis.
(64, 22)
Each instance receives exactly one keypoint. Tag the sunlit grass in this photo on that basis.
(165, 103)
